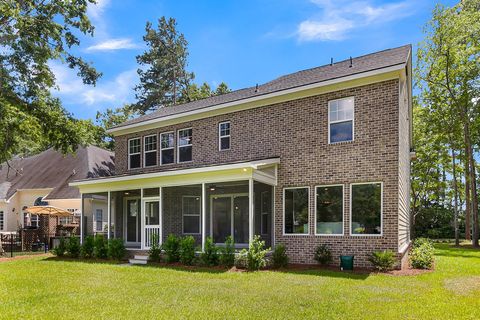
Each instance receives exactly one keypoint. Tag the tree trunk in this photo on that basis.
(468, 211)
(455, 199)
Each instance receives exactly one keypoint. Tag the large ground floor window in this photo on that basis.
(295, 204)
(366, 208)
(329, 210)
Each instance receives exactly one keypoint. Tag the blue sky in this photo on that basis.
(239, 42)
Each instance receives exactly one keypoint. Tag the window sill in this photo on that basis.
(340, 143)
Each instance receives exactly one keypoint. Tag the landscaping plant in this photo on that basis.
(279, 256)
(155, 250)
(209, 256)
(73, 247)
(187, 250)
(256, 254)
(383, 260)
(86, 250)
(59, 250)
(422, 254)
(171, 248)
(100, 247)
(323, 255)
(116, 249)
(227, 256)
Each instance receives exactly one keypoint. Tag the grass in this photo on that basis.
(46, 288)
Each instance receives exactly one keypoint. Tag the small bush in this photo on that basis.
(227, 257)
(187, 250)
(323, 255)
(116, 249)
(280, 258)
(155, 250)
(171, 248)
(256, 254)
(86, 251)
(422, 254)
(383, 260)
(73, 247)
(100, 248)
(59, 250)
(209, 256)
(241, 260)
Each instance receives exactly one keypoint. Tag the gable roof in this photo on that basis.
(366, 63)
(51, 169)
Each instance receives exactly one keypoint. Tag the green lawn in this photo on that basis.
(46, 288)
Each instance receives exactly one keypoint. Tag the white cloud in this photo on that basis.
(96, 10)
(113, 44)
(339, 17)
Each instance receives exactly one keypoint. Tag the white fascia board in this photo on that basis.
(262, 97)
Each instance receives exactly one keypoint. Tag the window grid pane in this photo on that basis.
(134, 146)
(168, 140)
(150, 143)
(185, 137)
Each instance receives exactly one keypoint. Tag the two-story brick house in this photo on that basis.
(317, 156)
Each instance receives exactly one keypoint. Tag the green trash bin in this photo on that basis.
(346, 263)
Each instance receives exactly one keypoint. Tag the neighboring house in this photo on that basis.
(43, 180)
(320, 156)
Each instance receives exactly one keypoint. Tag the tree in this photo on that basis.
(110, 118)
(162, 72)
(194, 92)
(32, 34)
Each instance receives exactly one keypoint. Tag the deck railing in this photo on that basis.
(151, 232)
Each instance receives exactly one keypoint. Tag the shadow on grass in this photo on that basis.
(463, 251)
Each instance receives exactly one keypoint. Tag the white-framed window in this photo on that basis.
(35, 220)
(224, 135)
(150, 151)
(65, 220)
(185, 145)
(134, 153)
(366, 208)
(265, 208)
(2, 221)
(296, 202)
(167, 148)
(98, 220)
(329, 206)
(191, 209)
(341, 120)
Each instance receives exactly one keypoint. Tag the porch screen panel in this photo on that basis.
(221, 218)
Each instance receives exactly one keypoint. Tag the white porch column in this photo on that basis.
(160, 215)
(250, 210)
(142, 221)
(204, 215)
(109, 212)
(81, 218)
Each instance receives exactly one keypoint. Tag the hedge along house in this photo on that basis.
(320, 156)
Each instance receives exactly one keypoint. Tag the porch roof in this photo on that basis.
(215, 173)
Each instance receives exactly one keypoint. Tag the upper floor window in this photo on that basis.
(224, 135)
(134, 151)
(167, 148)
(150, 151)
(340, 120)
(185, 145)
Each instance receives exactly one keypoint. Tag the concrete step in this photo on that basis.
(136, 261)
(140, 257)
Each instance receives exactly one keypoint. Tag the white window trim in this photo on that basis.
(283, 213)
(381, 210)
(169, 148)
(340, 121)
(229, 136)
(193, 215)
(2, 226)
(186, 145)
(132, 154)
(343, 211)
(151, 151)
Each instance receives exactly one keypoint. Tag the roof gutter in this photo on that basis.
(397, 67)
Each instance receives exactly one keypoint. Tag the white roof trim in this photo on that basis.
(262, 97)
(251, 164)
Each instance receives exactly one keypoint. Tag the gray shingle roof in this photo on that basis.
(370, 62)
(50, 169)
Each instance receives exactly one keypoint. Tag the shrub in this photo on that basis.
(100, 247)
(171, 248)
(422, 254)
(86, 251)
(241, 259)
(280, 258)
(209, 256)
(59, 250)
(73, 247)
(383, 260)
(227, 257)
(116, 249)
(155, 250)
(256, 254)
(323, 255)
(187, 250)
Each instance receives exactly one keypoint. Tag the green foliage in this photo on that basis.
(383, 260)
(434, 222)
(155, 251)
(172, 248)
(322, 254)
(88, 245)
(73, 247)
(187, 250)
(60, 250)
(209, 256)
(110, 118)
(422, 254)
(227, 253)
(280, 258)
(100, 249)
(256, 254)
(116, 249)
(194, 92)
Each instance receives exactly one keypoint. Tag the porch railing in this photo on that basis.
(151, 232)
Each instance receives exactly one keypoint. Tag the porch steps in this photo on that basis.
(137, 259)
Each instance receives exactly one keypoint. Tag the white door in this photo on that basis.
(152, 222)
